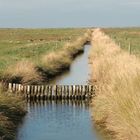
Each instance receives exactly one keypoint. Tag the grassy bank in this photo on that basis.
(116, 76)
(11, 113)
(124, 37)
(34, 56)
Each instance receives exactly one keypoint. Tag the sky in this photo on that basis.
(69, 13)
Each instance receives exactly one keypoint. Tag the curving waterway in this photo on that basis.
(61, 120)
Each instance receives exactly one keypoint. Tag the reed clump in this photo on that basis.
(116, 75)
(11, 112)
(55, 62)
(22, 72)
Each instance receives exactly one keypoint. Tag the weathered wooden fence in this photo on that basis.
(52, 91)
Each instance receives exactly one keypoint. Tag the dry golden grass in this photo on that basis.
(23, 71)
(11, 112)
(55, 62)
(117, 77)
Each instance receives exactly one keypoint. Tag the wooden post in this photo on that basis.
(64, 92)
(19, 87)
(60, 92)
(35, 92)
(85, 91)
(14, 87)
(67, 91)
(32, 92)
(46, 92)
(38, 92)
(28, 92)
(10, 87)
(71, 91)
(51, 92)
(22, 89)
(25, 91)
(56, 91)
(74, 91)
(82, 92)
(88, 94)
(42, 92)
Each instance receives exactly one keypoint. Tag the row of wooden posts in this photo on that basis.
(52, 91)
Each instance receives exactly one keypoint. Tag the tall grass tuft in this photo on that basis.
(117, 77)
(23, 71)
(11, 112)
(55, 62)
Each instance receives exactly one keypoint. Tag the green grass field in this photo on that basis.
(30, 44)
(28, 47)
(126, 36)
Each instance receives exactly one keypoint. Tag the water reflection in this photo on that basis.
(79, 71)
(57, 120)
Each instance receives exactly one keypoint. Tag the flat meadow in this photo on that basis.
(28, 48)
(125, 37)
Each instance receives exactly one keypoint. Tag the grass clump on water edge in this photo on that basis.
(117, 76)
(11, 113)
(54, 63)
(23, 72)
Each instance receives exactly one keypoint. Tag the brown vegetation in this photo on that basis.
(117, 76)
(11, 112)
(23, 71)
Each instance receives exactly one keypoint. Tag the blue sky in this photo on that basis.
(69, 13)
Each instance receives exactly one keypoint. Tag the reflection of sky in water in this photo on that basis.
(79, 71)
(66, 13)
(56, 121)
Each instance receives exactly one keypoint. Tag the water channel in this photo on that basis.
(61, 120)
